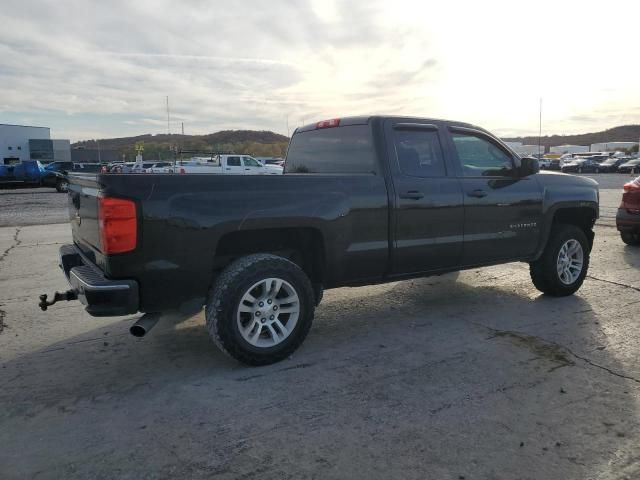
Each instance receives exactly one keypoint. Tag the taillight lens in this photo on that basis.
(630, 186)
(631, 197)
(118, 225)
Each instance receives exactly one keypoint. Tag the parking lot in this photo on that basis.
(463, 376)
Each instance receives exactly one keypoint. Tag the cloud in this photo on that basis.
(91, 67)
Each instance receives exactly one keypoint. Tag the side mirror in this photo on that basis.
(529, 166)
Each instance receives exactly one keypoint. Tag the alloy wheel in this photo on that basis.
(268, 312)
(570, 261)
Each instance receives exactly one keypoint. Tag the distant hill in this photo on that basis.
(625, 133)
(258, 143)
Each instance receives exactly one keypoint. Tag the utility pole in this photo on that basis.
(168, 122)
(99, 157)
(182, 129)
(540, 131)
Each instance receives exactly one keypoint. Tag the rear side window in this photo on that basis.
(419, 153)
(233, 161)
(346, 149)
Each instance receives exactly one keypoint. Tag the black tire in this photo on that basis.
(544, 272)
(632, 239)
(226, 295)
(62, 185)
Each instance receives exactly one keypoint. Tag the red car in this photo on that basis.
(628, 217)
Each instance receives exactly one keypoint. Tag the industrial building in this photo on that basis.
(611, 146)
(562, 149)
(22, 142)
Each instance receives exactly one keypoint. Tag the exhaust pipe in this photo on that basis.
(144, 324)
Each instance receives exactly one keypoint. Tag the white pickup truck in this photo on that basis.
(228, 165)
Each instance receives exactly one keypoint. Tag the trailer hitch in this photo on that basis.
(57, 297)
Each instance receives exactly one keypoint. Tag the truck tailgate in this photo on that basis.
(83, 212)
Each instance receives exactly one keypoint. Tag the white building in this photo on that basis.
(611, 146)
(524, 150)
(20, 142)
(561, 149)
(14, 141)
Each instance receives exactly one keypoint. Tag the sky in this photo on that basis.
(99, 69)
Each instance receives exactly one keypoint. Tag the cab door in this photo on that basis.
(252, 166)
(233, 166)
(502, 210)
(428, 207)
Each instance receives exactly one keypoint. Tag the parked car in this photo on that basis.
(611, 164)
(121, 167)
(632, 166)
(363, 200)
(25, 172)
(159, 167)
(555, 164)
(87, 167)
(114, 167)
(545, 163)
(55, 175)
(228, 165)
(581, 165)
(628, 216)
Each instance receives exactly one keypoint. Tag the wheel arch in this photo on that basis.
(580, 214)
(305, 246)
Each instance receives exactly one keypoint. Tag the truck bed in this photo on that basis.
(184, 219)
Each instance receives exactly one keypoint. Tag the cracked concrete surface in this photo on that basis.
(474, 375)
(16, 242)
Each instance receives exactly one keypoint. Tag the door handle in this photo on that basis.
(247, 169)
(477, 193)
(412, 195)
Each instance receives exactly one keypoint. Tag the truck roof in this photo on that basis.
(364, 119)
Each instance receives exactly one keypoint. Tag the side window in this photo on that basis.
(250, 162)
(337, 150)
(233, 161)
(419, 153)
(481, 158)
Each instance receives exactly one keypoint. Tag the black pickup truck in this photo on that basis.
(363, 200)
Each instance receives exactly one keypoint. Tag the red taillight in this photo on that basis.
(631, 197)
(118, 225)
(334, 122)
(182, 171)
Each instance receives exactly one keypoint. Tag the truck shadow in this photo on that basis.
(480, 365)
(631, 255)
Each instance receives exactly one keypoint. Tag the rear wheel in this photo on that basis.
(563, 265)
(260, 309)
(630, 238)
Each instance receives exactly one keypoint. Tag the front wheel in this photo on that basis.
(563, 265)
(62, 185)
(260, 309)
(632, 239)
